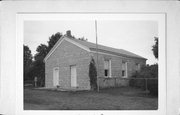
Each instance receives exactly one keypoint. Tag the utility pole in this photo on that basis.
(97, 56)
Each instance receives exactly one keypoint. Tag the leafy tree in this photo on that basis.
(53, 39)
(93, 75)
(155, 48)
(42, 51)
(148, 71)
(83, 39)
(27, 55)
(27, 61)
(39, 71)
(39, 65)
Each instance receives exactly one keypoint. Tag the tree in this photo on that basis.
(155, 48)
(93, 75)
(39, 65)
(83, 39)
(53, 39)
(148, 71)
(27, 61)
(42, 51)
(38, 68)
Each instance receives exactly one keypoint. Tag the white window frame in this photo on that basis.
(57, 79)
(109, 68)
(138, 66)
(76, 82)
(126, 70)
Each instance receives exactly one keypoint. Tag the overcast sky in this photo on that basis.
(133, 36)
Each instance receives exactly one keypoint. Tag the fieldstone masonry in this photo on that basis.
(68, 54)
(65, 55)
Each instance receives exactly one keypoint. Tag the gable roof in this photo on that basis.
(106, 49)
(92, 47)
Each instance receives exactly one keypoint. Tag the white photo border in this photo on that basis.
(160, 17)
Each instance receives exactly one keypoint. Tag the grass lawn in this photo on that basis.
(124, 98)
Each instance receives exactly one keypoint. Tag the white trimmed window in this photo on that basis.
(124, 70)
(138, 67)
(107, 68)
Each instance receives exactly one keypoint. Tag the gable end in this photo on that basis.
(59, 43)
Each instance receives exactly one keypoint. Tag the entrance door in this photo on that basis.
(73, 76)
(55, 76)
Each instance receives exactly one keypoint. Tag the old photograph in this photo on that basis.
(89, 57)
(90, 65)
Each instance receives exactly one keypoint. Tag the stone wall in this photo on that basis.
(68, 54)
(64, 56)
(116, 68)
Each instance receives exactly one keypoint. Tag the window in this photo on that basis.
(138, 67)
(124, 69)
(123, 72)
(107, 68)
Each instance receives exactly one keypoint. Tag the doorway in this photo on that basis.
(56, 76)
(73, 76)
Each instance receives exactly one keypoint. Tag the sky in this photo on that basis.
(134, 36)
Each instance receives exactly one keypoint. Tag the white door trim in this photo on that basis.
(126, 63)
(73, 75)
(55, 76)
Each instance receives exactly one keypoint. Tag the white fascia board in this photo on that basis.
(110, 69)
(54, 48)
(114, 55)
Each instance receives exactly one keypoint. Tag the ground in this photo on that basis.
(125, 98)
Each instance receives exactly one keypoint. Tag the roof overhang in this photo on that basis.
(93, 50)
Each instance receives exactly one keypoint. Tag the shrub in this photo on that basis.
(152, 86)
(93, 75)
(146, 72)
(139, 83)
